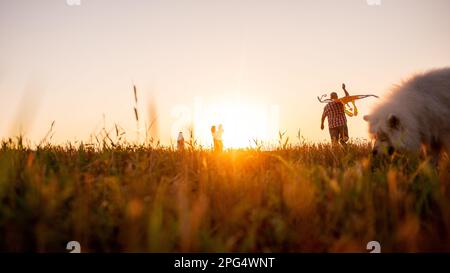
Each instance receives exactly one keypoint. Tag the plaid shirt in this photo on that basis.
(334, 111)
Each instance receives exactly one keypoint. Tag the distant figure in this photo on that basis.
(337, 122)
(214, 136)
(180, 141)
(219, 139)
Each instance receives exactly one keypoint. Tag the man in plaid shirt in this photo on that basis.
(337, 122)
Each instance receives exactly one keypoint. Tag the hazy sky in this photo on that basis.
(239, 59)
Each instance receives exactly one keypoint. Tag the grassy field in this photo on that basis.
(305, 198)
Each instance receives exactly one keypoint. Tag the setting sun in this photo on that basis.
(245, 124)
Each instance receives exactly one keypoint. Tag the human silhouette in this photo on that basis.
(219, 139)
(337, 122)
(180, 141)
(214, 137)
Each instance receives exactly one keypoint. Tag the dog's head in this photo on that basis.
(391, 133)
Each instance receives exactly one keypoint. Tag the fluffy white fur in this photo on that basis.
(415, 114)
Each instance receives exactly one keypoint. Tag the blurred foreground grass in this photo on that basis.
(309, 198)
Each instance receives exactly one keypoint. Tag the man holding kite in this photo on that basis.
(335, 111)
(337, 122)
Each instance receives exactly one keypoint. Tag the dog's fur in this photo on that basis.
(416, 114)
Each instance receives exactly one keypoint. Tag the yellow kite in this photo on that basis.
(346, 101)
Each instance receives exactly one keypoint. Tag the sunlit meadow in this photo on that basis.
(113, 196)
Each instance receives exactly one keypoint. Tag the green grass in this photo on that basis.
(306, 198)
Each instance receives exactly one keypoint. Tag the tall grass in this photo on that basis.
(133, 198)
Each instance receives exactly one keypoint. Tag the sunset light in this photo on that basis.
(224, 135)
(244, 125)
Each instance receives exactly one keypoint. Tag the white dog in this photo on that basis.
(416, 114)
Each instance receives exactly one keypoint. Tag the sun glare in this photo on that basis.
(244, 124)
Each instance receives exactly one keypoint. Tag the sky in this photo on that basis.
(257, 67)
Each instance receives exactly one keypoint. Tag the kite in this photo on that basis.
(349, 110)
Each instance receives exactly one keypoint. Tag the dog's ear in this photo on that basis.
(366, 118)
(393, 121)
